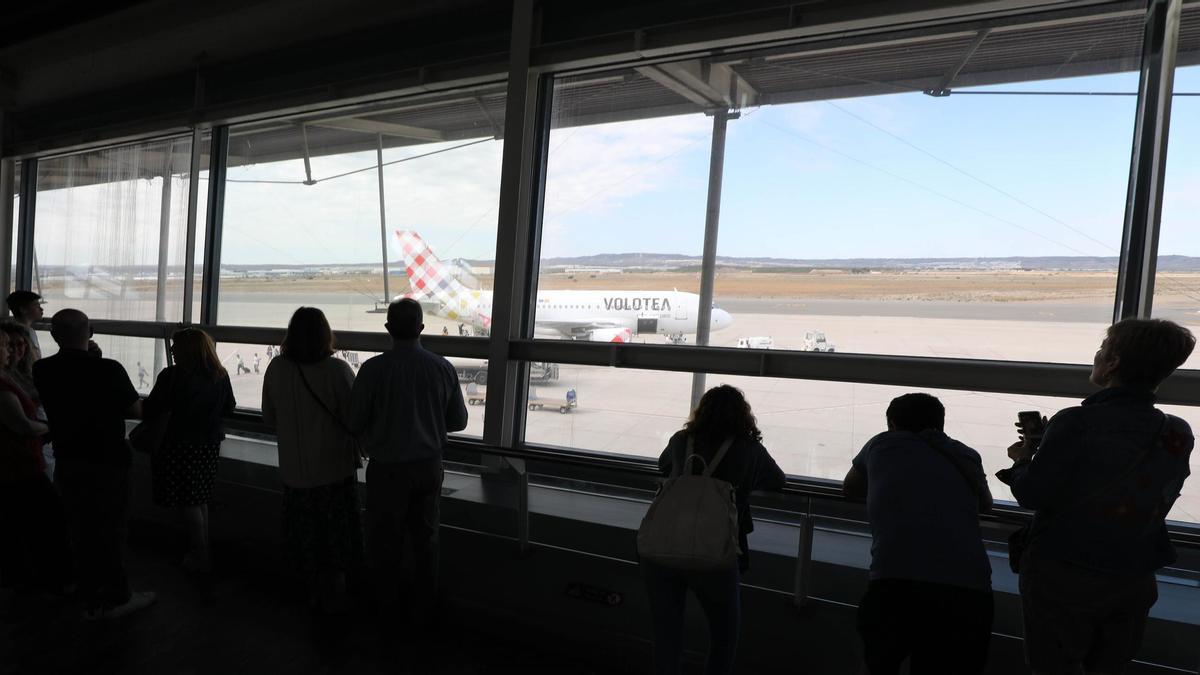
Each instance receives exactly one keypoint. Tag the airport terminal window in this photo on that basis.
(16, 205)
(302, 218)
(1177, 281)
(100, 222)
(247, 364)
(813, 429)
(952, 195)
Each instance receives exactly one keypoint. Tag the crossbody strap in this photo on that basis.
(972, 483)
(329, 411)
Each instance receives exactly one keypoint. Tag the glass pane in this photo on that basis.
(110, 228)
(16, 205)
(1177, 282)
(951, 195)
(813, 429)
(305, 224)
(247, 364)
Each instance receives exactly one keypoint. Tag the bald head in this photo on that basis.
(71, 329)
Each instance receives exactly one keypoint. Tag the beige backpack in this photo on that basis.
(692, 523)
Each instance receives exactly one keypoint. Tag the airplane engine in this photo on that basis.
(611, 335)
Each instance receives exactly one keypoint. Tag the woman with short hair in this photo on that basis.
(721, 430)
(306, 397)
(196, 393)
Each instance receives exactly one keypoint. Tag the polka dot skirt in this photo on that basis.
(184, 474)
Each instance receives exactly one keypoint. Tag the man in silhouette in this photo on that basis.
(929, 599)
(404, 402)
(26, 307)
(87, 400)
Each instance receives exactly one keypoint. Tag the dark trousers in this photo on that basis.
(34, 551)
(719, 596)
(1079, 620)
(96, 501)
(403, 500)
(941, 629)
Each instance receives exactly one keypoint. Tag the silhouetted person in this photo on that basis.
(20, 371)
(722, 414)
(26, 308)
(1102, 481)
(404, 403)
(306, 397)
(196, 393)
(87, 400)
(929, 599)
(33, 544)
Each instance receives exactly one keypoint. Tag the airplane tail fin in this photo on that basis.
(429, 279)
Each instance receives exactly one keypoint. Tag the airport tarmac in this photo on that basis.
(812, 428)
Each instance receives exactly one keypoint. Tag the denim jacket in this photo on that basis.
(1102, 482)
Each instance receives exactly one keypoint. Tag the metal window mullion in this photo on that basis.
(218, 161)
(1143, 204)
(503, 412)
(189, 253)
(25, 216)
(7, 226)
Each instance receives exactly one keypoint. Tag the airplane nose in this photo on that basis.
(721, 319)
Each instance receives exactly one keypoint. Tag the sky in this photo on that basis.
(903, 175)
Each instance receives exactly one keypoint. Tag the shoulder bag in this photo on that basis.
(358, 456)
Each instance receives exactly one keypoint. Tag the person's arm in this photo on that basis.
(666, 461)
(854, 485)
(767, 474)
(158, 401)
(230, 400)
(1036, 482)
(985, 493)
(456, 408)
(360, 400)
(13, 418)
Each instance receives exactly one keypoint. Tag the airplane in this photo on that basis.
(600, 316)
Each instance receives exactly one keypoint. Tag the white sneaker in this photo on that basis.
(137, 600)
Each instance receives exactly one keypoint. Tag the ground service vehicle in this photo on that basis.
(759, 342)
(814, 341)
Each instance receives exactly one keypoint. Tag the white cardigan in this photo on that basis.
(314, 449)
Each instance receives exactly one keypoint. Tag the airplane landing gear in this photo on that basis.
(676, 338)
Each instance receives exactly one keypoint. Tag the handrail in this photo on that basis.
(1019, 377)
(644, 468)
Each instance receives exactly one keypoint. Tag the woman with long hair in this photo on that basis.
(33, 544)
(306, 397)
(721, 430)
(196, 393)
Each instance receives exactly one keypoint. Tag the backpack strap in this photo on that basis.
(712, 466)
(689, 453)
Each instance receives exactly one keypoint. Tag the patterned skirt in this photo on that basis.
(323, 527)
(184, 474)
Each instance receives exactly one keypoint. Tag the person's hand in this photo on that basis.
(94, 349)
(1020, 450)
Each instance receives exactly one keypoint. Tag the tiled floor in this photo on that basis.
(243, 622)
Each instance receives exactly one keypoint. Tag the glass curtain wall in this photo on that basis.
(956, 192)
(350, 209)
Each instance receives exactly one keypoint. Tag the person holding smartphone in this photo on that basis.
(1100, 478)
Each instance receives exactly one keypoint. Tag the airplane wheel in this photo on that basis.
(481, 377)
(563, 409)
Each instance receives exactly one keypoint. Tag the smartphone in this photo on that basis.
(1030, 422)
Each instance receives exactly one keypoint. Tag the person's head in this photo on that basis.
(193, 349)
(18, 345)
(71, 329)
(723, 412)
(1141, 353)
(309, 338)
(26, 306)
(405, 320)
(916, 413)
